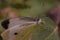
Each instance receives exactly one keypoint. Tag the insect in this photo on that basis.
(14, 30)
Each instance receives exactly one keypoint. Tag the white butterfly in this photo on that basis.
(11, 32)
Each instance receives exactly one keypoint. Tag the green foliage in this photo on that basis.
(1, 38)
(19, 6)
(31, 8)
(3, 4)
(38, 8)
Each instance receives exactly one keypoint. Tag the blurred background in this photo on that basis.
(28, 8)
